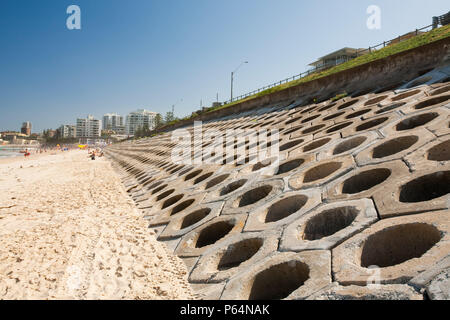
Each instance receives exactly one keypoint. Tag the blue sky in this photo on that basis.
(153, 53)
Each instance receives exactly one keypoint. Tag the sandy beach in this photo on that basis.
(69, 231)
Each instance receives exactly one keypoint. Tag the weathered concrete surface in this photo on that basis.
(282, 276)
(381, 292)
(248, 211)
(328, 226)
(439, 288)
(401, 248)
(232, 256)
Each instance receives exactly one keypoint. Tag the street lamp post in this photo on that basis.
(232, 78)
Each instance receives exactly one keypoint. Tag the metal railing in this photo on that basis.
(317, 69)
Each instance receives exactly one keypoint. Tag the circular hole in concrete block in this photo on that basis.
(213, 233)
(441, 152)
(263, 164)
(375, 100)
(192, 175)
(284, 208)
(238, 253)
(293, 120)
(416, 121)
(194, 217)
(182, 206)
(313, 129)
(405, 95)
(279, 281)
(329, 222)
(390, 108)
(233, 187)
(440, 91)
(216, 181)
(349, 145)
(308, 110)
(203, 177)
(327, 107)
(160, 188)
(347, 104)
(358, 113)
(371, 124)
(291, 144)
(289, 166)
(398, 244)
(164, 195)
(254, 195)
(338, 114)
(321, 171)
(426, 188)
(171, 201)
(176, 169)
(365, 180)
(316, 144)
(431, 102)
(311, 118)
(394, 146)
(339, 127)
(154, 185)
(293, 130)
(184, 172)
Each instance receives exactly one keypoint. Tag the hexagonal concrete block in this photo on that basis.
(322, 172)
(408, 95)
(371, 292)
(394, 148)
(208, 291)
(431, 155)
(336, 128)
(422, 280)
(349, 146)
(365, 181)
(427, 103)
(233, 255)
(314, 146)
(393, 250)
(439, 288)
(290, 166)
(231, 188)
(290, 276)
(422, 191)
(328, 226)
(166, 214)
(375, 123)
(442, 127)
(202, 238)
(423, 119)
(253, 196)
(191, 219)
(283, 209)
(217, 180)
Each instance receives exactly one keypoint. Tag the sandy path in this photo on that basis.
(69, 231)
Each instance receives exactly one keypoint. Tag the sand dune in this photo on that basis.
(69, 231)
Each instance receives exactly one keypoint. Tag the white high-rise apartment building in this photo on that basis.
(88, 128)
(139, 119)
(68, 131)
(114, 122)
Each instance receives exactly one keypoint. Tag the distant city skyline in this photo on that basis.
(155, 54)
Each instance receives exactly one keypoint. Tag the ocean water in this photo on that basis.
(7, 153)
